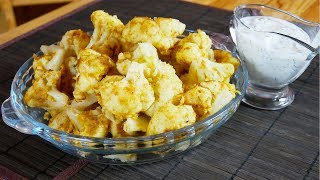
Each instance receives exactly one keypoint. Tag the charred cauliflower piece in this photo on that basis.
(129, 96)
(73, 41)
(106, 34)
(44, 92)
(92, 66)
(170, 117)
(89, 123)
(161, 32)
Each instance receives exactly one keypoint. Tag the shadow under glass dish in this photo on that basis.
(130, 150)
(269, 40)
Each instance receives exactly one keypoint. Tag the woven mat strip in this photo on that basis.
(71, 170)
(6, 173)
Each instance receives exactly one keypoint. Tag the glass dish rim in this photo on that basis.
(40, 127)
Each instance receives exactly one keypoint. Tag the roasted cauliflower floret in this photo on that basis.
(56, 54)
(161, 32)
(161, 76)
(222, 94)
(61, 122)
(135, 125)
(223, 97)
(52, 59)
(201, 39)
(207, 97)
(92, 67)
(89, 123)
(170, 117)
(44, 92)
(116, 129)
(200, 99)
(106, 80)
(145, 53)
(84, 104)
(206, 70)
(186, 53)
(73, 41)
(191, 48)
(129, 96)
(106, 33)
(123, 63)
(221, 56)
(166, 84)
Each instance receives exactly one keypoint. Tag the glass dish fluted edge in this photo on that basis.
(29, 120)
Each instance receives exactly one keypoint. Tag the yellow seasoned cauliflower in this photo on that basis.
(84, 104)
(123, 63)
(145, 53)
(129, 96)
(162, 76)
(110, 78)
(56, 54)
(222, 56)
(206, 70)
(161, 32)
(89, 123)
(222, 93)
(116, 129)
(106, 34)
(44, 92)
(61, 122)
(135, 125)
(73, 41)
(200, 99)
(166, 84)
(101, 85)
(207, 97)
(92, 67)
(191, 48)
(223, 97)
(170, 117)
(52, 59)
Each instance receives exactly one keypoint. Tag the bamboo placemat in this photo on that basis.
(253, 144)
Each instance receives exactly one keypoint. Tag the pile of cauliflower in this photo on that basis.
(141, 78)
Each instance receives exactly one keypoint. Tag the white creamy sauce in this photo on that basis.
(272, 60)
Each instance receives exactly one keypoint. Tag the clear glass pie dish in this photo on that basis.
(130, 150)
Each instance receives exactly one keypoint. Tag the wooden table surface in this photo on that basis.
(308, 9)
(253, 144)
